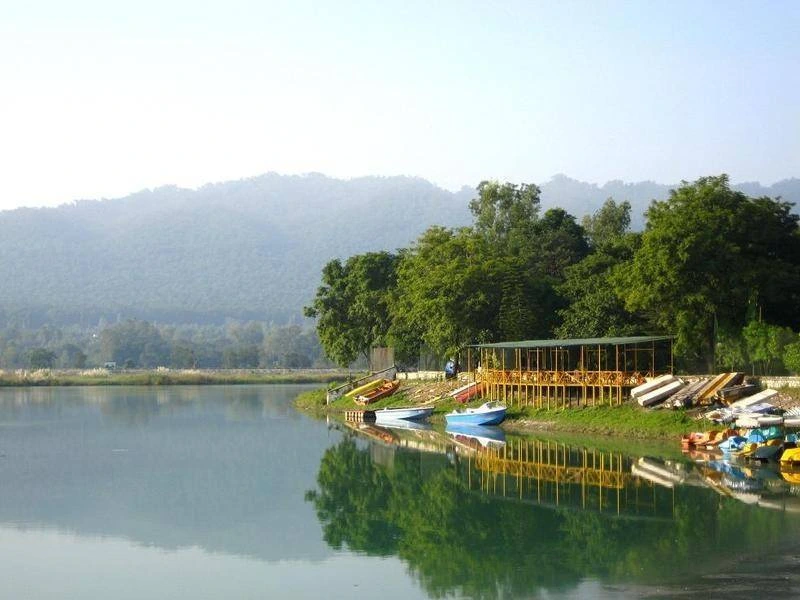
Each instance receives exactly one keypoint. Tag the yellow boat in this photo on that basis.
(790, 456)
(365, 388)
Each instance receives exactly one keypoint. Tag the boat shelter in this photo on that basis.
(568, 372)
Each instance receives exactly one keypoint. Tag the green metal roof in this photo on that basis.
(608, 341)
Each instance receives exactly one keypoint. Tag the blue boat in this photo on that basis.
(489, 413)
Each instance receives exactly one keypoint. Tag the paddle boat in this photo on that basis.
(418, 413)
(489, 413)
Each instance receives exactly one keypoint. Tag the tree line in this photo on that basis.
(141, 344)
(714, 267)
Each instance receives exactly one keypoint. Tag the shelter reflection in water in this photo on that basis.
(551, 473)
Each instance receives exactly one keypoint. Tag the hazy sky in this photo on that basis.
(103, 98)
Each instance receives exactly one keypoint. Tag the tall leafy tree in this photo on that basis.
(447, 290)
(610, 222)
(352, 305)
(706, 254)
(594, 308)
(505, 214)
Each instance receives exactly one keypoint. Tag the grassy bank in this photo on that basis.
(48, 377)
(629, 420)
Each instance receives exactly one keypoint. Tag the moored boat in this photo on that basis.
(489, 413)
(418, 413)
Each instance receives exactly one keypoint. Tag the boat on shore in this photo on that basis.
(387, 388)
(488, 413)
(418, 413)
(467, 392)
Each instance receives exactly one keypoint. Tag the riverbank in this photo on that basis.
(629, 420)
(161, 376)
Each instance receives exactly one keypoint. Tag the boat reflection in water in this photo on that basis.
(478, 515)
(477, 437)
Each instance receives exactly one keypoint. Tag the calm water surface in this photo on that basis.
(228, 492)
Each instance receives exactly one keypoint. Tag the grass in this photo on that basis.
(160, 376)
(629, 420)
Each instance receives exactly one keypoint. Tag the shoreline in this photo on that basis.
(161, 376)
(629, 420)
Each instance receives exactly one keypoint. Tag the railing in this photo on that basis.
(562, 378)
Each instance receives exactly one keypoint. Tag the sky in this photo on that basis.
(100, 99)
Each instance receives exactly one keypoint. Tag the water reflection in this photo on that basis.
(506, 519)
(220, 468)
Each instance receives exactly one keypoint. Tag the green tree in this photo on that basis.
(610, 222)
(766, 344)
(72, 357)
(134, 343)
(447, 290)
(705, 258)
(41, 358)
(243, 356)
(791, 357)
(594, 308)
(505, 214)
(352, 305)
(557, 242)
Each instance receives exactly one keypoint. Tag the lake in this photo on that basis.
(228, 492)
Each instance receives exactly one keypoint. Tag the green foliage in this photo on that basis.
(352, 305)
(475, 540)
(608, 224)
(708, 253)
(135, 343)
(791, 357)
(447, 290)
(731, 353)
(244, 250)
(765, 344)
(243, 356)
(245, 345)
(594, 308)
(504, 215)
(41, 358)
(558, 242)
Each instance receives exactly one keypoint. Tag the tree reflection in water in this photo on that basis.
(458, 539)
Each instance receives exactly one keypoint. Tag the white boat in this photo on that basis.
(398, 414)
(652, 385)
(488, 413)
(661, 393)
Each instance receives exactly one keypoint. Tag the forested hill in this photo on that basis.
(248, 249)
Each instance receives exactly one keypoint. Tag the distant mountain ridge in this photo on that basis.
(246, 249)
